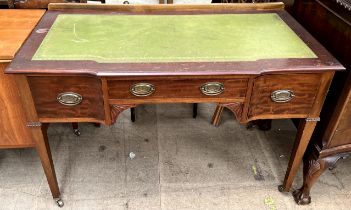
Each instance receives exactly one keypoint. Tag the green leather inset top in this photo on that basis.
(171, 38)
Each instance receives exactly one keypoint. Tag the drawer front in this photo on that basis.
(59, 97)
(285, 96)
(182, 89)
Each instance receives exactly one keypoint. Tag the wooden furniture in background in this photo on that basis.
(60, 91)
(330, 23)
(15, 131)
(37, 4)
(15, 26)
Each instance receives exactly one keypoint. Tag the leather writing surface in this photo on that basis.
(171, 38)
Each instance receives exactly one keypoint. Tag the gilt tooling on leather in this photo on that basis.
(171, 38)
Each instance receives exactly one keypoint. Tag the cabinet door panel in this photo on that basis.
(13, 129)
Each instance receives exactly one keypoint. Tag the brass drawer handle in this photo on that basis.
(281, 96)
(212, 88)
(69, 99)
(142, 89)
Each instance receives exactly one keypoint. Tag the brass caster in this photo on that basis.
(60, 203)
(76, 132)
(281, 188)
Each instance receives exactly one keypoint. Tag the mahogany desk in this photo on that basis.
(88, 63)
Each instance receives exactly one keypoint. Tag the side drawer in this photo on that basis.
(284, 96)
(181, 89)
(46, 90)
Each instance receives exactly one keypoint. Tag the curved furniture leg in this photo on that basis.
(303, 137)
(312, 169)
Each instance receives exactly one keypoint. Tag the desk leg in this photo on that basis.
(38, 131)
(303, 137)
(43, 149)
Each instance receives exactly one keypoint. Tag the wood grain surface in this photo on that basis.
(171, 7)
(46, 89)
(340, 133)
(38, 4)
(304, 86)
(168, 89)
(15, 26)
(13, 129)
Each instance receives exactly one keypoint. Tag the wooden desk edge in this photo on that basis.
(170, 7)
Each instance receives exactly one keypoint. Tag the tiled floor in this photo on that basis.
(180, 163)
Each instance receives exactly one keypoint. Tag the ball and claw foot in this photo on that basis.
(60, 202)
(300, 198)
(76, 132)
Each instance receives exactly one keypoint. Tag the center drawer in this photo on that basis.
(196, 89)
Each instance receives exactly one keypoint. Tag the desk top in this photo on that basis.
(214, 40)
(170, 38)
(15, 26)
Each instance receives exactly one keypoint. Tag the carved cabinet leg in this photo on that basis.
(43, 149)
(312, 169)
(303, 137)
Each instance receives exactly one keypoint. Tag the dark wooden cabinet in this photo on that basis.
(330, 23)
